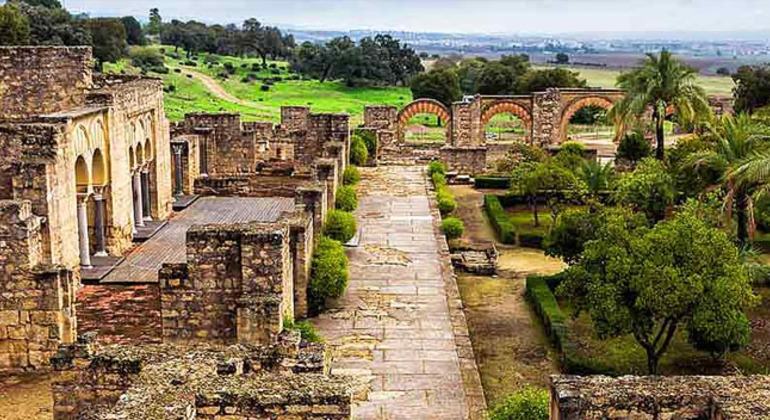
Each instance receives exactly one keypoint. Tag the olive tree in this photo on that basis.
(649, 282)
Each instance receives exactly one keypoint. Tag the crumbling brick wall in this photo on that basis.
(42, 80)
(236, 286)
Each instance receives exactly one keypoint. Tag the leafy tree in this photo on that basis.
(496, 79)
(660, 83)
(518, 153)
(690, 180)
(736, 144)
(633, 147)
(752, 87)
(571, 155)
(53, 26)
(540, 80)
(14, 25)
(519, 64)
(134, 35)
(552, 182)
(441, 85)
(648, 282)
(468, 72)
(572, 230)
(146, 58)
(649, 188)
(723, 71)
(562, 58)
(596, 177)
(48, 4)
(155, 26)
(109, 39)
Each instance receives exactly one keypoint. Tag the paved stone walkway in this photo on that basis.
(394, 324)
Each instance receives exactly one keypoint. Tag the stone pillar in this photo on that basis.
(85, 246)
(145, 179)
(178, 170)
(204, 156)
(137, 183)
(99, 222)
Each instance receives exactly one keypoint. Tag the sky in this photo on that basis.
(460, 16)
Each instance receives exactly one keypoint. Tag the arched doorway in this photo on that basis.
(83, 190)
(425, 121)
(506, 122)
(585, 120)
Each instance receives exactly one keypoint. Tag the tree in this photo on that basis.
(723, 71)
(662, 82)
(155, 27)
(736, 145)
(441, 85)
(552, 182)
(496, 79)
(572, 230)
(109, 39)
(648, 282)
(48, 4)
(541, 80)
(633, 147)
(134, 35)
(53, 26)
(649, 188)
(562, 58)
(752, 88)
(596, 177)
(14, 25)
(469, 72)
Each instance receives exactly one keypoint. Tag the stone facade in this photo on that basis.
(80, 151)
(686, 398)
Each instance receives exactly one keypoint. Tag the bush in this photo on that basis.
(370, 139)
(346, 199)
(547, 308)
(146, 58)
(526, 404)
(506, 232)
(492, 182)
(446, 201)
(211, 59)
(531, 240)
(351, 176)
(439, 180)
(634, 147)
(436, 167)
(359, 155)
(160, 70)
(190, 63)
(452, 227)
(306, 330)
(329, 272)
(340, 225)
(229, 67)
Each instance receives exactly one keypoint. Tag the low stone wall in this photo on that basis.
(672, 397)
(120, 314)
(465, 160)
(163, 382)
(253, 185)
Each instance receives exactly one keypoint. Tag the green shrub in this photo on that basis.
(531, 240)
(547, 308)
(359, 155)
(491, 182)
(146, 58)
(346, 199)
(351, 176)
(526, 404)
(452, 227)
(329, 272)
(439, 180)
(634, 147)
(340, 225)
(370, 139)
(306, 330)
(436, 167)
(446, 201)
(506, 232)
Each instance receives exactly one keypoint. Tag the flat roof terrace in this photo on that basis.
(141, 265)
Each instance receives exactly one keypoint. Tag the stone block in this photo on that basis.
(9, 318)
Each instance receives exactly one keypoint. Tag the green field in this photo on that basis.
(606, 78)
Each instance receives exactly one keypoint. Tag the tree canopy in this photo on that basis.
(441, 85)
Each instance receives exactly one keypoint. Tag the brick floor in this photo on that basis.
(168, 246)
(393, 325)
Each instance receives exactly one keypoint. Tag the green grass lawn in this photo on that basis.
(331, 96)
(606, 78)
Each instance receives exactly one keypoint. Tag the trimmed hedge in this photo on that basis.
(436, 167)
(506, 232)
(439, 179)
(359, 154)
(539, 290)
(452, 227)
(329, 272)
(340, 225)
(446, 201)
(351, 176)
(531, 240)
(491, 182)
(347, 199)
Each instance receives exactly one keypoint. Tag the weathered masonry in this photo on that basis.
(545, 117)
(84, 165)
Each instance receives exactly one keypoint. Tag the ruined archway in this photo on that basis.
(425, 106)
(507, 108)
(575, 106)
(98, 170)
(82, 175)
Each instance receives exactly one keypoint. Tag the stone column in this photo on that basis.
(137, 182)
(178, 171)
(85, 246)
(99, 223)
(145, 179)
(204, 156)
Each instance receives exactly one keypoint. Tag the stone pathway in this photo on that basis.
(397, 324)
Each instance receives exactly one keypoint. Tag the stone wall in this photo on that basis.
(36, 301)
(465, 160)
(254, 185)
(686, 398)
(282, 380)
(42, 80)
(236, 286)
(190, 155)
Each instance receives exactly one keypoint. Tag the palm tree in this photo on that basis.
(735, 158)
(597, 177)
(661, 84)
